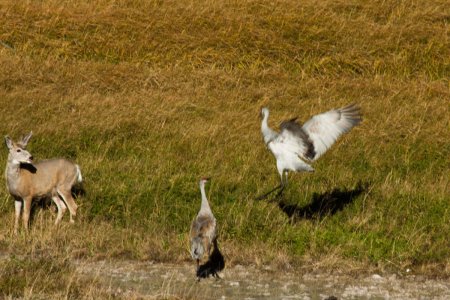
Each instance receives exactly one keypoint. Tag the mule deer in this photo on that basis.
(26, 181)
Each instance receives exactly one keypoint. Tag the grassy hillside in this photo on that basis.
(149, 96)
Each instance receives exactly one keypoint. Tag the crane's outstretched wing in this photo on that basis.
(324, 129)
(295, 140)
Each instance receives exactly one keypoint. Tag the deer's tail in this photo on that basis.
(79, 177)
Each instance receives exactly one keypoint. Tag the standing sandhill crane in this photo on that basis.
(296, 145)
(203, 228)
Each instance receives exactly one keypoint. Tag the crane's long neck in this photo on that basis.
(205, 205)
(266, 131)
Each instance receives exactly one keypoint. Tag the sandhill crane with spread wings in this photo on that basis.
(296, 146)
(203, 228)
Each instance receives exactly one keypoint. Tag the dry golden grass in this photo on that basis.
(148, 96)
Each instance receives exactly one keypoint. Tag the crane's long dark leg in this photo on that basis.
(264, 196)
(215, 275)
(279, 187)
(282, 185)
(196, 271)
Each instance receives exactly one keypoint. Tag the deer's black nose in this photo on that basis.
(31, 157)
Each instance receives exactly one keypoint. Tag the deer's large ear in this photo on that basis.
(8, 142)
(26, 139)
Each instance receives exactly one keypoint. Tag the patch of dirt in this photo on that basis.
(154, 280)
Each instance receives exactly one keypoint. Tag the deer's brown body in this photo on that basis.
(27, 180)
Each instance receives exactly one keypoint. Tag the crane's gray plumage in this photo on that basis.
(293, 128)
(297, 145)
(203, 228)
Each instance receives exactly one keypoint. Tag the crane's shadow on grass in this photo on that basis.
(214, 265)
(328, 203)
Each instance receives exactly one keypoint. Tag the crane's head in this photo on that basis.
(264, 112)
(205, 179)
(17, 152)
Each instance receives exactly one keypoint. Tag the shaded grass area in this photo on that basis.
(149, 96)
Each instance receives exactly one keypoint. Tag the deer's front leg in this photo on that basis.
(26, 211)
(18, 208)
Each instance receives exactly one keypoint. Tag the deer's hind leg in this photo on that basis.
(61, 206)
(66, 195)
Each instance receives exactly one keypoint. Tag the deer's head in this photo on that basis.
(17, 151)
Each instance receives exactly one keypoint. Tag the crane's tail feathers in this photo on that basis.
(303, 167)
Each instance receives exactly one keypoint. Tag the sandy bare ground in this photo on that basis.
(148, 280)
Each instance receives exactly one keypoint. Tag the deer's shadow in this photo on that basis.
(328, 203)
(214, 265)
